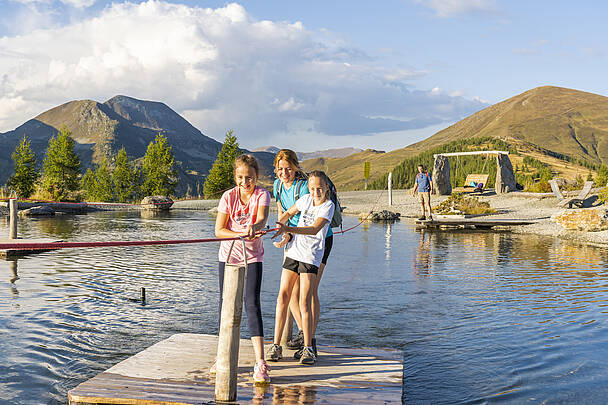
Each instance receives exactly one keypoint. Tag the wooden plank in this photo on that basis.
(175, 371)
(21, 252)
(469, 223)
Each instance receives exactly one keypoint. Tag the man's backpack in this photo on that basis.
(336, 220)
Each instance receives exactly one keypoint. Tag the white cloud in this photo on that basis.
(451, 8)
(222, 70)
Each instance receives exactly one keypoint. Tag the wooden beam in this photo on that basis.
(481, 152)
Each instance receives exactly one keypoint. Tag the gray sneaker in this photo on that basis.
(274, 353)
(297, 342)
(308, 356)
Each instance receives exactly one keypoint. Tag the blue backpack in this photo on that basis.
(336, 220)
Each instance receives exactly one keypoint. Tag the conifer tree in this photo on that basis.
(159, 173)
(220, 176)
(61, 166)
(125, 178)
(97, 184)
(24, 178)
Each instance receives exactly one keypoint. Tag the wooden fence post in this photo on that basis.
(390, 188)
(230, 326)
(12, 204)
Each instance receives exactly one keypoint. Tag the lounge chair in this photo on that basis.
(579, 200)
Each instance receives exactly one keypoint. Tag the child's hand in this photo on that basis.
(281, 231)
(283, 241)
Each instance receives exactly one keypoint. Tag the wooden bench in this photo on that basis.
(476, 178)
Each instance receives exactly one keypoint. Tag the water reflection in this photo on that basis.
(12, 263)
(422, 257)
(387, 243)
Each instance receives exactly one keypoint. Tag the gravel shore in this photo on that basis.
(518, 205)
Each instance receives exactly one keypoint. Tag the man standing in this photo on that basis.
(424, 186)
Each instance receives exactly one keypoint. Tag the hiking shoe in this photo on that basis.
(260, 372)
(308, 356)
(298, 353)
(297, 342)
(213, 369)
(275, 352)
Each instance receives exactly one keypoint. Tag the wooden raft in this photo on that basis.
(175, 371)
(22, 252)
(470, 223)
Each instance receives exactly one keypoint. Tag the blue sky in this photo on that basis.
(305, 75)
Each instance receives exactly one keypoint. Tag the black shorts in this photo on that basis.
(329, 242)
(299, 267)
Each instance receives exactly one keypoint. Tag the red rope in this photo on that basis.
(364, 219)
(64, 245)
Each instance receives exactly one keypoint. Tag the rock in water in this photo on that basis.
(441, 176)
(39, 211)
(156, 202)
(588, 220)
(383, 215)
(505, 178)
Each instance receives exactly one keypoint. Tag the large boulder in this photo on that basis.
(588, 220)
(380, 216)
(441, 176)
(39, 211)
(156, 202)
(505, 178)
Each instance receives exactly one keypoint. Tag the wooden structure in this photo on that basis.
(13, 237)
(579, 200)
(175, 371)
(477, 179)
(470, 223)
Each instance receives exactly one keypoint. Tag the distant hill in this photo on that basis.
(101, 129)
(547, 119)
(326, 153)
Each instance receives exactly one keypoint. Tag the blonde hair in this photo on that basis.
(246, 160)
(321, 175)
(290, 157)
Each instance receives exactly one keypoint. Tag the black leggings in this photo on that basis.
(253, 286)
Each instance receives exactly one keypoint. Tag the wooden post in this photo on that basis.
(390, 188)
(230, 326)
(12, 203)
(287, 329)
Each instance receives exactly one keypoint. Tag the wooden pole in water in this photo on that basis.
(12, 203)
(230, 325)
(390, 188)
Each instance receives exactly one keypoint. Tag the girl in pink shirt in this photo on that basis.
(243, 211)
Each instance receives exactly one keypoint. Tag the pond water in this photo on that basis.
(480, 317)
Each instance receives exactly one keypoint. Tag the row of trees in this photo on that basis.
(118, 179)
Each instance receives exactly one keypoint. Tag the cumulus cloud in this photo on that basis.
(451, 8)
(222, 70)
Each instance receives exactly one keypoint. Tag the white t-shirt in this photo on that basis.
(309, 248)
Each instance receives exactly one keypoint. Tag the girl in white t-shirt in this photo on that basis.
(243, 211)
(303, 257)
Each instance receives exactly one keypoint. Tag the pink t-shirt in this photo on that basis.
(240, 216)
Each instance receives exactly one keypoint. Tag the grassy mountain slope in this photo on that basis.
(565, 121)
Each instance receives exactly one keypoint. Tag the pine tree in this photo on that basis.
(97, 183)
(61, 166)
(159, 173)
(221, 176)
(24, 179)
(125, 178)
